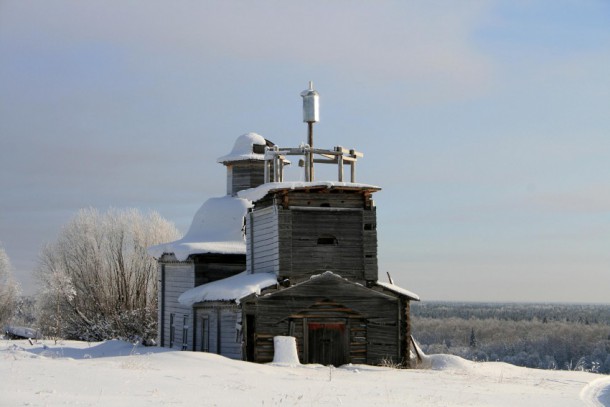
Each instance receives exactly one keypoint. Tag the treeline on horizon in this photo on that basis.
(544, 336)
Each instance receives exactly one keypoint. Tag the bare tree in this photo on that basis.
(97, 279)
(9, 290)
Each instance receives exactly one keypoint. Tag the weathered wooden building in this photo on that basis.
(309, 251)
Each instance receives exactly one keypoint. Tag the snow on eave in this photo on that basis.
(216, 228)
(229, 289)
(398, 290)
(255, 194)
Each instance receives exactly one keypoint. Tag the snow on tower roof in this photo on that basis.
(254, 194)
(243, 149)
(233, 288)
(216, 228)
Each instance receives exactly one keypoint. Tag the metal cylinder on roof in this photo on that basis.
(311, 104)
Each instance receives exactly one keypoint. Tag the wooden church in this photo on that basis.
(277, 258)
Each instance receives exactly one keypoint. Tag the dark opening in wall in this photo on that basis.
(328, 240)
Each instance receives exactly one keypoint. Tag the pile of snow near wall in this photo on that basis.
(285, 351)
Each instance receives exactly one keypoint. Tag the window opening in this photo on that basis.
(329, 240)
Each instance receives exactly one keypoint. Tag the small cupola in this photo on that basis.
(246, 162)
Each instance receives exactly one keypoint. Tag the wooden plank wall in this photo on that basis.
(262, 241)
(309, 257)
(179, 277)
(369, 236)
(285, 240)
(226, 342)
(374, 319)
(212, 267)
(246, 175)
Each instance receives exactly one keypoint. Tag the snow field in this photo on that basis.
(116, 373)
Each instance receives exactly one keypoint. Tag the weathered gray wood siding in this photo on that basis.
(179, 277)
(224, 336)
(372, 318)
(297, 234)
(262, 241)
(369, 243)
(313, 250)
(246, 174)
(213, 267)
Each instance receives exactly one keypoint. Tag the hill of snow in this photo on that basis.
(116, 373)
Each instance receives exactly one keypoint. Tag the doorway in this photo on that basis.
(327, 343)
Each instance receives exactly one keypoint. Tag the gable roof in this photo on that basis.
(325, 285)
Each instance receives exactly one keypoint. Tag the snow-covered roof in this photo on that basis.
(398, 290)
(229, 289)
(243, 148)
(254, 194)
(216, 228)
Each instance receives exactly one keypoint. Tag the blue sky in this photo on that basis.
(486, 124)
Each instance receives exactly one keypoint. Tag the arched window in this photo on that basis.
(327, 239)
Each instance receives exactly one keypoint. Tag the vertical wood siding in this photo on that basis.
(262, 241)
(225, 333)
(179, 277)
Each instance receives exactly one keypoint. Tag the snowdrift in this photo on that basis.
(119, 373)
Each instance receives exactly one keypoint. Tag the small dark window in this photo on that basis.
(325, 205)
(369, 226)
(328, 240)
(258, 149)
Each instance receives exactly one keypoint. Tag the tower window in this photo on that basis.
(328, 240)
(258, 148)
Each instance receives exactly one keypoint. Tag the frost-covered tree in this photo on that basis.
(97, 280)
(9, 290)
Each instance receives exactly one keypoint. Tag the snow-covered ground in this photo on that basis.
(117, 373)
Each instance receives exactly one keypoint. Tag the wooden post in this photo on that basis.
(406, 339)
(310, 142)
(340, 164)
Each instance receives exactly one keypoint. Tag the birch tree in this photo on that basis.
(9, 290)
(97, 279)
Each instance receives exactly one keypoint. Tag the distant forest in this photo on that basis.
(545, 336)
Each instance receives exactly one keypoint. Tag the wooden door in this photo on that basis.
(327, 343)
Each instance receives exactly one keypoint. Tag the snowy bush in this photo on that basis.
(97, 280)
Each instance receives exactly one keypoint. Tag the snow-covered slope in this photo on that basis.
(119, 374)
